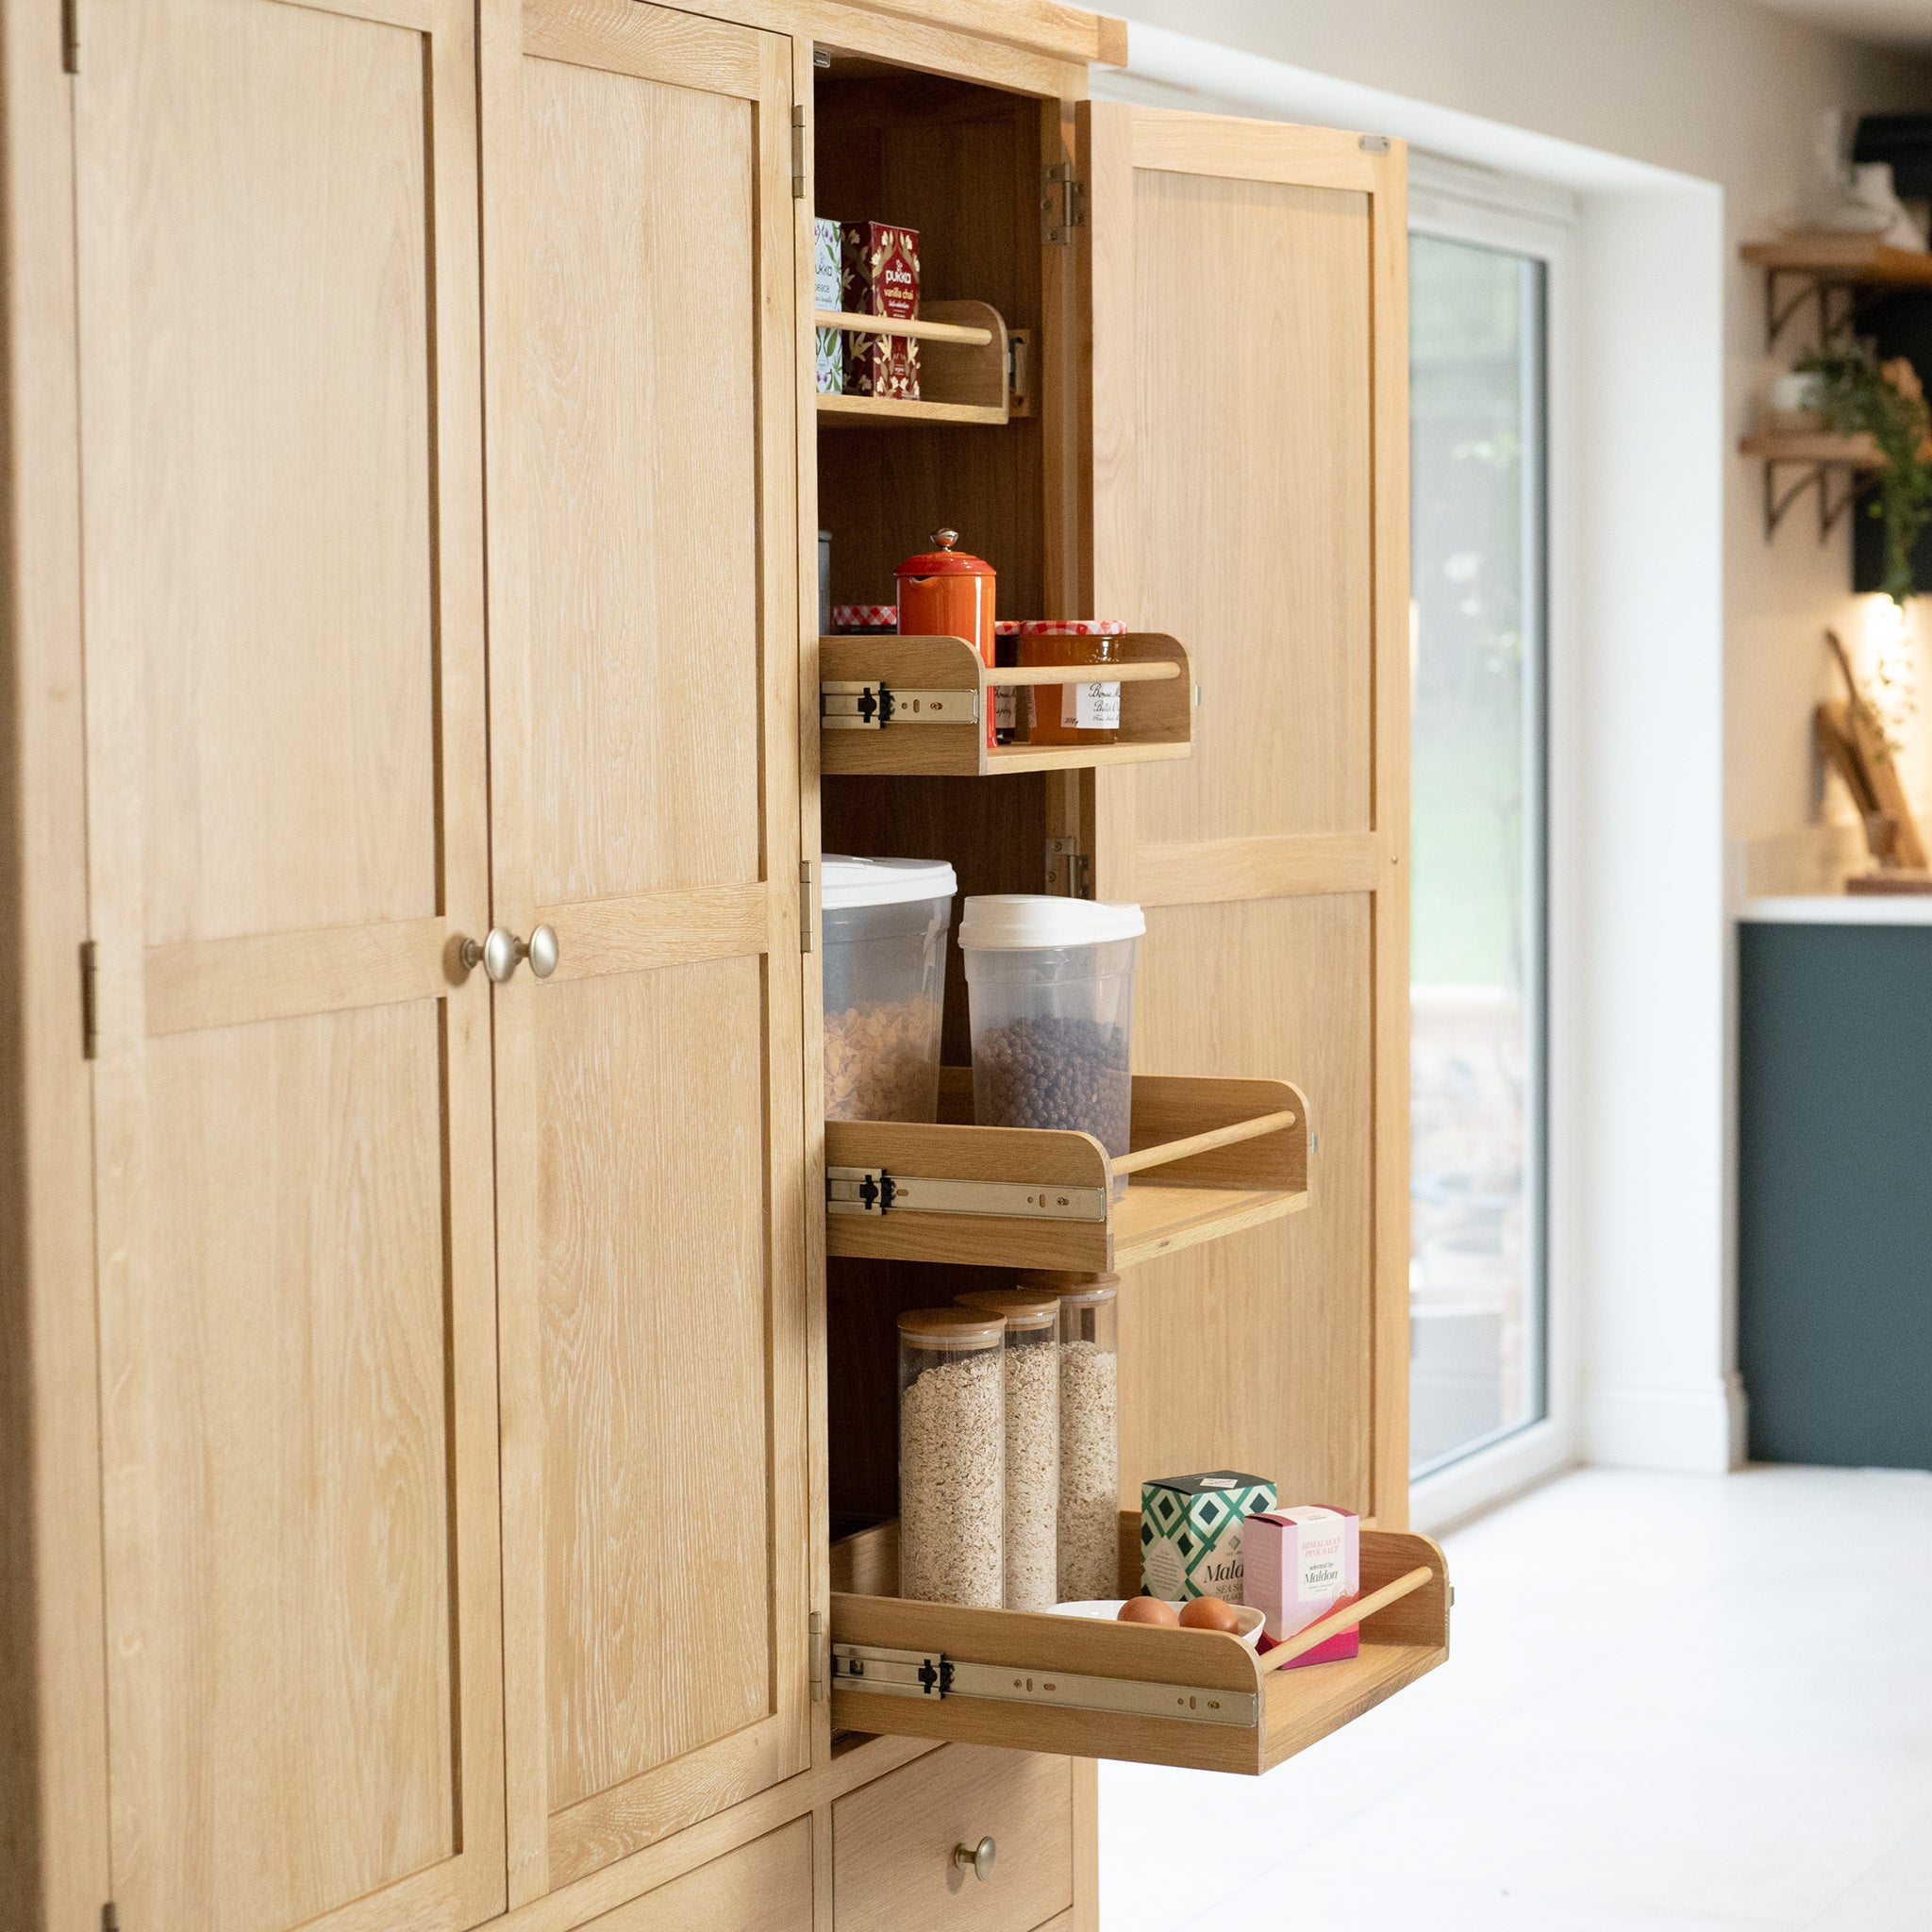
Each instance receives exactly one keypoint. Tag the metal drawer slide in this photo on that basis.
(878, 1191)
(846, 706)
(932, 1674)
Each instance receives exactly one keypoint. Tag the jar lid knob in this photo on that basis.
(945, 539)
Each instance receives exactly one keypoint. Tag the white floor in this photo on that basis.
(1673, 1704)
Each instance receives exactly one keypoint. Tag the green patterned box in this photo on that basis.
(1191, 1532)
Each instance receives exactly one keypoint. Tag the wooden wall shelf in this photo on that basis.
(1209, 1157)
(1094, 1688)
(1824, 264)
(941, 691)
(963, 368)
(1819, 455)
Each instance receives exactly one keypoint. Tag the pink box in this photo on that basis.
(1302, 1563)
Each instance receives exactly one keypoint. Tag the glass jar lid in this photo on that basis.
(1024, 1310)
(1073, 1288)
(954, 1327)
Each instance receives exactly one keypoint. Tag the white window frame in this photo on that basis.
(1460, 203)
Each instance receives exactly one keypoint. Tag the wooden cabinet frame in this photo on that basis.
(53, 1709)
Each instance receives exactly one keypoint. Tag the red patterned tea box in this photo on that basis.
(879, 276)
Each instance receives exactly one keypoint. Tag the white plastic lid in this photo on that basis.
(1023, 922)
(850, 882)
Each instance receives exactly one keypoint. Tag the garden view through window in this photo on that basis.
(1476, 1276)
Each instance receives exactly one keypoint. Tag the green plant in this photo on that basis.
(1886, 401)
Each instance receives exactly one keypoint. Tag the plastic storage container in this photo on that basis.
(1090, 1563)
(1050, 986)
(885, 966)
(1033, 1440)
(952, 1456)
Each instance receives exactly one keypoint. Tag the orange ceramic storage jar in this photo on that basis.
(945, 594)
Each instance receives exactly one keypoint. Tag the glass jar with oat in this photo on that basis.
(884, 969)
(952, 1456)
(1089, 1557)
(1033, 1440)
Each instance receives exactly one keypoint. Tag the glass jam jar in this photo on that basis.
(1073, 713)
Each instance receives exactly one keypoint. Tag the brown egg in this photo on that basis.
(1210, 1613)
(1147, 1610)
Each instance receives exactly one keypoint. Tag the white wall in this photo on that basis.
(1685, 679)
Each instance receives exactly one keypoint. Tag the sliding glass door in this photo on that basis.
(1478, 1279)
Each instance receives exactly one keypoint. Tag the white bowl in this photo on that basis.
(1248, 1620)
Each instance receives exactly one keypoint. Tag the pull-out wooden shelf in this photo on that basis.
(1208, 1157)
(963, 367)
(916, 707)
(1087, 1688)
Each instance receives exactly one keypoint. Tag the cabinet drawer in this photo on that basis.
(1072, 1686)
(762, 1887)
(893, 1840)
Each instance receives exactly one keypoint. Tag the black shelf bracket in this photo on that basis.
(1832, 505)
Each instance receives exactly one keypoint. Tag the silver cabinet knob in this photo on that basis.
(501, 951)
(978, 1859)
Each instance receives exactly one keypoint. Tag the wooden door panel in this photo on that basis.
(281, 474)
(278, 247)
(1249, 494)
(1270, 528)
(649, 638)
(292, 1517)
(660, 1576)
(1277, 1377)
(641, 359)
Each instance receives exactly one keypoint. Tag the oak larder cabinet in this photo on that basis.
(432, 1429)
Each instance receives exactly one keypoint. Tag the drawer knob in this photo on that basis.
(978, 1859)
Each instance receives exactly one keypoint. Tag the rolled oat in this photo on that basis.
(952, 1442)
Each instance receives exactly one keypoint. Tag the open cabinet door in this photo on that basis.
(1246, 287)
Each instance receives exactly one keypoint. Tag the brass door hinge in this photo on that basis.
(110, 1918)
(1069, 204)
(797, 152)
(817, 1630)
(90, 1004)
(70, 39)
(805, 904)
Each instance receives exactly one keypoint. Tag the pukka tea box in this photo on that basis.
(826, 245)
(879, 276)
(1191, 1532)
(1302, 1563)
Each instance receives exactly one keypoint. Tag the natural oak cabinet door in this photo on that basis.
(641, 358)
(1246, 283)
(282, 504)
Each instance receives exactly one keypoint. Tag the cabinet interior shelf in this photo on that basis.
(1090, 1688)
(915, 707)
(1208, 1157)
(965, 369)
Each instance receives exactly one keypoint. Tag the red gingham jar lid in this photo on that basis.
(1006, 628)
(865, 617)
(1073, 627)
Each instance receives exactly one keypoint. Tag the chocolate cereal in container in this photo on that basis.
(1050, 992)
(885, 966)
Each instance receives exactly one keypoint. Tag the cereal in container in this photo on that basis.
(885, 981)
(1033, 1440)
(952, 1456)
